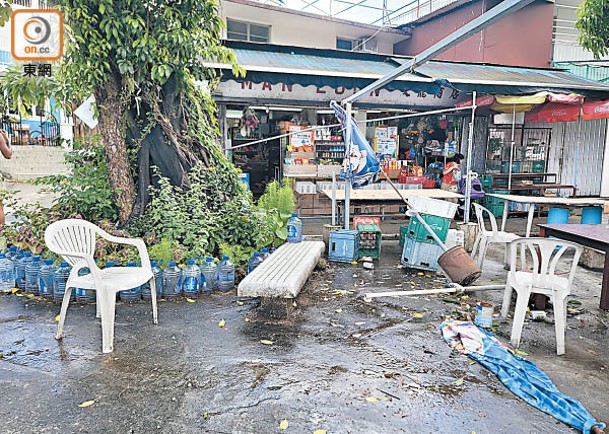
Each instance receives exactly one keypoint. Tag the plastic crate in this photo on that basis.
(403, 232)
(343, 246)
(420, 256)
(454, 238)
(370, 237)
(440, 208)
(417, 232)
(538, 166)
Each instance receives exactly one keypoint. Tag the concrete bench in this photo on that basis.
(284, 273)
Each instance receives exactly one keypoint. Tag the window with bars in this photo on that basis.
(243, 31)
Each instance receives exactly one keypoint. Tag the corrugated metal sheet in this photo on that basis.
(579, 165)
(505, 75)
(591, 72)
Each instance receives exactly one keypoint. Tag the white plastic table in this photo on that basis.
(570, 202)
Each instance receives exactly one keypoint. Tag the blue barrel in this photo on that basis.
(558, 216)
(592, 215)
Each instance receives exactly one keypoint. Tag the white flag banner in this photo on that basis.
(86, 113)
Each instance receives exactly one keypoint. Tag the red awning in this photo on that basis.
(481, 101)
(553, 112)
(561, 98)
(595, 110)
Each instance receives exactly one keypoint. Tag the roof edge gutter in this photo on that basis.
(474, 26)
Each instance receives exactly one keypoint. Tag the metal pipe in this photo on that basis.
(334, 199)
(474, 26)
(468, 164)
(512, 146)
(348, 159)
(448, 290)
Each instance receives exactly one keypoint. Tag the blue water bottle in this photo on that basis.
(192, 276)
(294, 229)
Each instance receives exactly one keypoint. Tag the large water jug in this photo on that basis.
(45, 279)
(264, 253)
(192, 276)
(11, 254)
(294, 229)
(172, 280)
(254, 262)
(20, 269)
(226, 274)
(7, 274)
(158, 280)
(132, 294)
(32, 271)
(84, 295)
(209, 275)
(59, 282)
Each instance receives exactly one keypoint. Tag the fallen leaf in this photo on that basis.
(420, 274)
(417, 315)
(284, 424)
(57, 318)
(247, 319)
(86, 404)
(190, 300)
(459, 381)
(14, 290)
(30, 296)
(428, 276)
(354, 263)
(222, 323)
(266, 342)
(372, 399)
(339, 310)
(520, 352)
(240, 303)
(320, 431)
(19, 295)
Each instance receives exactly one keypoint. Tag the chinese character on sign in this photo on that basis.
(44, 70)
(29, 70)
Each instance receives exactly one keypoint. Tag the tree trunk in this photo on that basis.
(112, 132)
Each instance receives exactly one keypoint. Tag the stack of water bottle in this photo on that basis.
(27, 272)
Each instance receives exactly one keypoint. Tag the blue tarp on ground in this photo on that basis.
(522, 377)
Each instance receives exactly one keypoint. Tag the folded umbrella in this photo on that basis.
(522, 377)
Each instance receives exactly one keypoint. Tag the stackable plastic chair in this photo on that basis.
(486, 237)
(537, 274)
(74, 240)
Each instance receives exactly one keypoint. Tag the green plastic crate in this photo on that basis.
(403, 232)
(369, 240)
(417, 232)
(539, 166)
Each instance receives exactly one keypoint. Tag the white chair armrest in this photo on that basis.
(141, 247)
(90, 264)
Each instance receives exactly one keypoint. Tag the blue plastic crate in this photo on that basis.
(344, 245)
(421, 256)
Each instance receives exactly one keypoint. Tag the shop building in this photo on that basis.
(289, 88)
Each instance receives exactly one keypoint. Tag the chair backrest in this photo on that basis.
(541, 256)
(480, 211)
(71, 236)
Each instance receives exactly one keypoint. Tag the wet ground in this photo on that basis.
(341, 364)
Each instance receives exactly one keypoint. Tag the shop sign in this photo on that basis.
(244, 89)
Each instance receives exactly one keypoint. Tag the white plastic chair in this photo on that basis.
(539, 275)
(486, 237)
(74, 240)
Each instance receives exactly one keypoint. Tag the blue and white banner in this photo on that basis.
(360, 164)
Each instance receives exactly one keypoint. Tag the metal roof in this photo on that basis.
(265, 58)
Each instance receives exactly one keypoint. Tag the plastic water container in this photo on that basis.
(209, 275)
(7, 274)
(172, 280)
(46, 278)
(11, 254)
(226, 274)
(32, 271)
(59, 282)
(20, 269)
(592, 215)
(158, 280)
(254, 262)
(132, 294)
(264, 253)
(192, 276)
(84, 295)
(294, 229)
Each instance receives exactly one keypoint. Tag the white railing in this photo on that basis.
(419, 10)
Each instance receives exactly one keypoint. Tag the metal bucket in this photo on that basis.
(459, 266)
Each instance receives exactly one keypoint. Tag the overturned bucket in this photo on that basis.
(459, 266)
